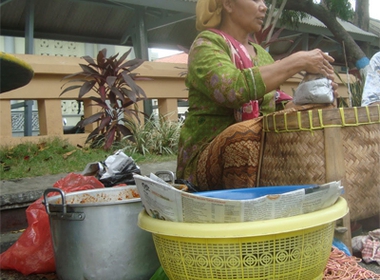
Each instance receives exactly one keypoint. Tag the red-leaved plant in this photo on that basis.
(112, 79)
(260, 37)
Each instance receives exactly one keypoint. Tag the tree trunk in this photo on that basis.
(352, 50)
(361, 19)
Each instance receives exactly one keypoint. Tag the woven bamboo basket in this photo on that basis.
(319, 146)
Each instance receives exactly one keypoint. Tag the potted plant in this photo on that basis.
(113, 81)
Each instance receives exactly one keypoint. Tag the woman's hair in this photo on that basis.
(208, 14)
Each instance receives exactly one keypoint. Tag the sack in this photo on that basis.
(33, 251)
(314, 89)
(115, 170)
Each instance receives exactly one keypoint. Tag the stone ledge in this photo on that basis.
(21, 192)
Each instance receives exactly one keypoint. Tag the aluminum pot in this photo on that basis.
(95, 235)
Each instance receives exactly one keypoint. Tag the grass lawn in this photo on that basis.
(57, 156)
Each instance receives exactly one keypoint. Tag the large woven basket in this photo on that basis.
(319, 146)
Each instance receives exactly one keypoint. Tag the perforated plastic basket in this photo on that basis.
(288, 248)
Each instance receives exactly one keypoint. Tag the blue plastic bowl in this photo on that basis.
(250, 193)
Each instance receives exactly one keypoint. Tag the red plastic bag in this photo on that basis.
(33, 251)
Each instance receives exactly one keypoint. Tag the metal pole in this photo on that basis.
(141, 48)
(29, 49)
(28, 111)
(29, 27)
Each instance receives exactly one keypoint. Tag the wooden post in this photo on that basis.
(50, 116)
(335, 170)
(90, 108)
(168, 108)
(5, 118)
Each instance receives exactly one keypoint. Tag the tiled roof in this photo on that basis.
(349, 27)
(177, 58)
(374, 26)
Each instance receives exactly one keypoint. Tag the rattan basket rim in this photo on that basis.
(322, 118)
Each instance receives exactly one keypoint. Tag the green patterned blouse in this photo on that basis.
(216, 87)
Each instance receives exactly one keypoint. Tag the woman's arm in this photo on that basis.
(211, 71)
(315, 61)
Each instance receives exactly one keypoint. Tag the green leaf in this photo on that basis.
(89, 59)
(99, 102)
(126, 132)
(110, 80)
(70, 88)
(88, 70)
(102, 92)
(141, 92)
(92, 135)
(131, 95)
(128, 103)
(91, 119)
(73, 75)
(130, 82)
(74, 81)
(105, 122)
(112, 58)
(112, 98)
(124, 57)
(118, 93)
(109, 138)
(132, 64)
(86, 87)
(101, 57)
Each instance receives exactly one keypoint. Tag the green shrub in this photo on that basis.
(355, 90)
(157, 136)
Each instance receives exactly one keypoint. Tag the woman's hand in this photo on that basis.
(318, 62)
(315, 62)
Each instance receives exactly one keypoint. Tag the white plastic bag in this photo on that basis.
(312, 91)
(116, 169)
(371, 91)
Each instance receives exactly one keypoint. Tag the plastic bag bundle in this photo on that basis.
(116, 169)
(314, 89)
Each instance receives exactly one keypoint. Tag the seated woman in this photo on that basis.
(231, 83)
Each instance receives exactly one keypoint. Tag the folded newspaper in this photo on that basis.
(162, 201)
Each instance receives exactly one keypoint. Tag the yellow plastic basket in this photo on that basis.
(288, 248)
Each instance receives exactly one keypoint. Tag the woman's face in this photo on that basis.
(248, 14)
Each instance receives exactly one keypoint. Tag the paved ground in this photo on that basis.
(27, 190)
